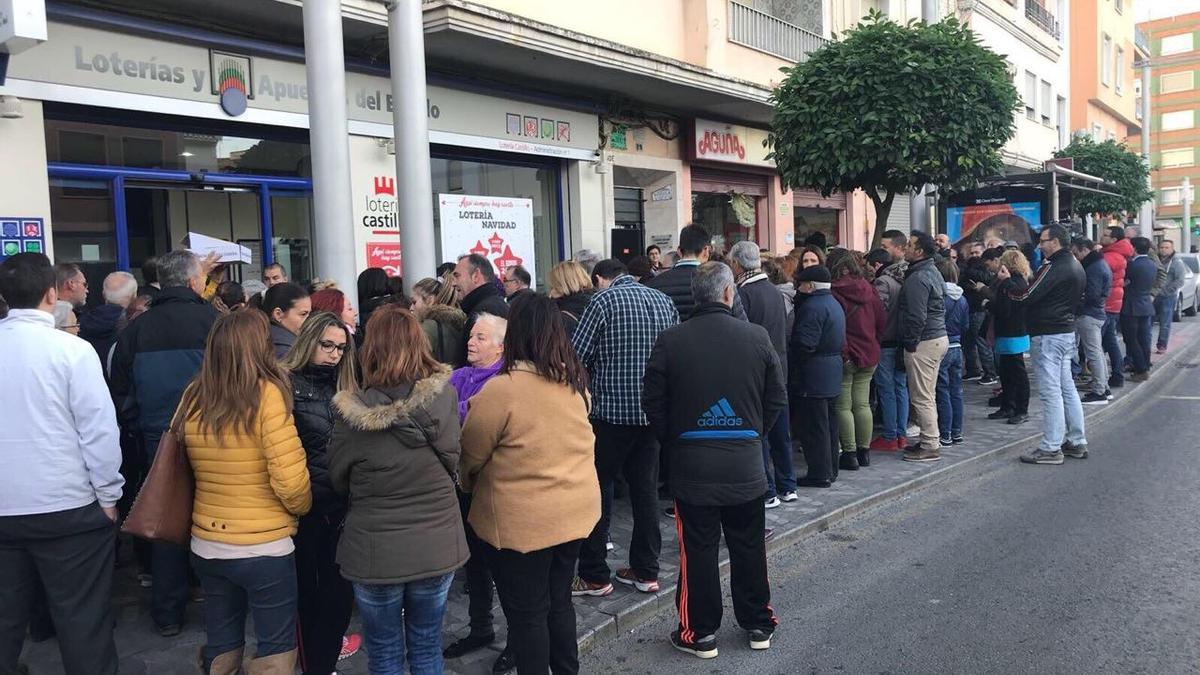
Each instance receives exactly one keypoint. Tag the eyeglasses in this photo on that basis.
(510, 281)
(331, 347)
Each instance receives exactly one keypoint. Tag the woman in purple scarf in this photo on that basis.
(485, 356)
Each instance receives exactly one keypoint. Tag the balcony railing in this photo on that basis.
(759, 30)
(1042, 18)
(1141, 40)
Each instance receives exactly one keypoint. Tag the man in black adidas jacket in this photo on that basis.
(709, 415)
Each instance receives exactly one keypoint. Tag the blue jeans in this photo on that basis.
(950, 393)
(265, 585)
(892, 386)
(1164, 309)
(1112, 346)
(400, 616)
(777, 452)
(977, 348)
(1056, 390)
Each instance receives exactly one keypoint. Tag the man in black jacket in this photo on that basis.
(712, 419)
(475, 280)
(156, 357)
(922, 332)
(765, 307)
(977, 351)
(695, 246)
(1050, 305)
(1137, 311)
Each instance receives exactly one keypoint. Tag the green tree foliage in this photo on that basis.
(1114, 163)
(889, 108)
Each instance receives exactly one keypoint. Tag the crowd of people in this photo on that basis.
(349, 457)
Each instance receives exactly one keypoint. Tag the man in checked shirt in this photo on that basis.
(613, 340)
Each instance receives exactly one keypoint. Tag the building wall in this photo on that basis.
(694, 31)
(1092, 100)
(26, 187)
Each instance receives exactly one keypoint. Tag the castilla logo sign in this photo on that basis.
(379, 205)
(232, 81)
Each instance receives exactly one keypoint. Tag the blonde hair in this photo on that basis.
(1017, 263)
(568, 278)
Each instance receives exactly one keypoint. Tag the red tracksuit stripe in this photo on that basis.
(686, 634)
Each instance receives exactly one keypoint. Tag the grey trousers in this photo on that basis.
(1088, 330)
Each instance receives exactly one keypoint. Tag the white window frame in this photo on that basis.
(1047, 109)
(1178, 157)
(1178, 119)
(1118, 5)
(1119, 70)
(1185, 78)
(1176, 44)
(1097, 133)
(1176, 195)
(1031, 96)
(1061, 112)
(1106, 50)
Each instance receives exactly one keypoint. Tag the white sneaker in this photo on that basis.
(913, 431)
(790, 496)
(772, 502)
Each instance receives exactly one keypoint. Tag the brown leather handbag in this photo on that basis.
(162, 510)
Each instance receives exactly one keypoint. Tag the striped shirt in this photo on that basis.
(614, 339)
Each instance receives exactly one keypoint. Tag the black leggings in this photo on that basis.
(1015, 382)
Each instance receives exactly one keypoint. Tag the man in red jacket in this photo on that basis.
(1117, 251)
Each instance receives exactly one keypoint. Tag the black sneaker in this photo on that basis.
(1108, 394)
(1069, 449)
(995, 401)
(704, 647)
(1001, 414)
(957, 439)
(1116, 382)
(760, 639)
(1018, 418)
(946, 440)
(1093, 398)
(972, 377)
(988, 381)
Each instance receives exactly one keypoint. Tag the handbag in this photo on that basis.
(162, 510)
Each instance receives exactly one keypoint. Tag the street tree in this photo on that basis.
(890, 108)
(1114, 163)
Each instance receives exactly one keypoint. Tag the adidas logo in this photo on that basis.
(720, 415)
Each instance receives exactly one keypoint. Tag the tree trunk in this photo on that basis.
(883, 209)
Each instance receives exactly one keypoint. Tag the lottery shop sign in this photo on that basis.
(498, 228)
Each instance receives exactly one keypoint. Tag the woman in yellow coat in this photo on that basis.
(251, 486)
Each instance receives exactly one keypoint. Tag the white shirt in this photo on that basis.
(59, 444)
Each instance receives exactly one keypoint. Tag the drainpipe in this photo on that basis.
(1146, 216)
(918, 205)
(406, 52)
(333, 239)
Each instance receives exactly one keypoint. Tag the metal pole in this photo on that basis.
(1146, 215)
(1185, 233)
(329, 143)
(1053, 196)
(414, 196)
(918, 206)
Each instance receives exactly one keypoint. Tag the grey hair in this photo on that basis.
(747, 255)
(710, 282)
(588, 258)
(177, 268)
(498, 323)
(62, 313)
(123, 288)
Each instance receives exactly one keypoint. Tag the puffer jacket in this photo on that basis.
(249, 489)
(922, 308)
(282, 340)
(958, 313)
(676, 283)
(1097, 285)
(394, 453)
(1117, 255)
(443, 325)
(815, 349)
(313, 388)
(888, 283)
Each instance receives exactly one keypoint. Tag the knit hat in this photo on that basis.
(816, 273)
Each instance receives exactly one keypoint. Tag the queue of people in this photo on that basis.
(348, 461)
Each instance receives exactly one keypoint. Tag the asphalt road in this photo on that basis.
(1082, 568)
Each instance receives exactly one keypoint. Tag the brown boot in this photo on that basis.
(229, 663)
(275, 664)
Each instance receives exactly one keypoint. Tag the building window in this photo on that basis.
(1061, 109)
(1106, 50)
(1178, 157)
(1175, 44)
(1119, 68)
(1180, 119)
(1097, 133)
(1031, 93)
(1176, 82)
(1047, 102)
(1173, 196)
(1119, 5)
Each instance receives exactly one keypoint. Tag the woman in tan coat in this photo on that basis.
(251, 486)
(528, 462)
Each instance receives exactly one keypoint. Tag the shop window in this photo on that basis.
(538, 183)
(84, 230)
(143, 153)
(810, 221)
(80, 147)
(729, 217)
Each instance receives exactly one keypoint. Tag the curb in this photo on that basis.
(648, 607)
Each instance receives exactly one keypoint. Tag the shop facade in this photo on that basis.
(135, 134)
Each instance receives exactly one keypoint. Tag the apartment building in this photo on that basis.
(1103, 79)
(1174, 125)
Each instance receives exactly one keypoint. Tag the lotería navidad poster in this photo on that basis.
(498, 228)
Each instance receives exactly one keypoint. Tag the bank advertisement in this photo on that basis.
(1005, 221)
(498, 228)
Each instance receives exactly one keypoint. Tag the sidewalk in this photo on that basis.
(143, 652)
